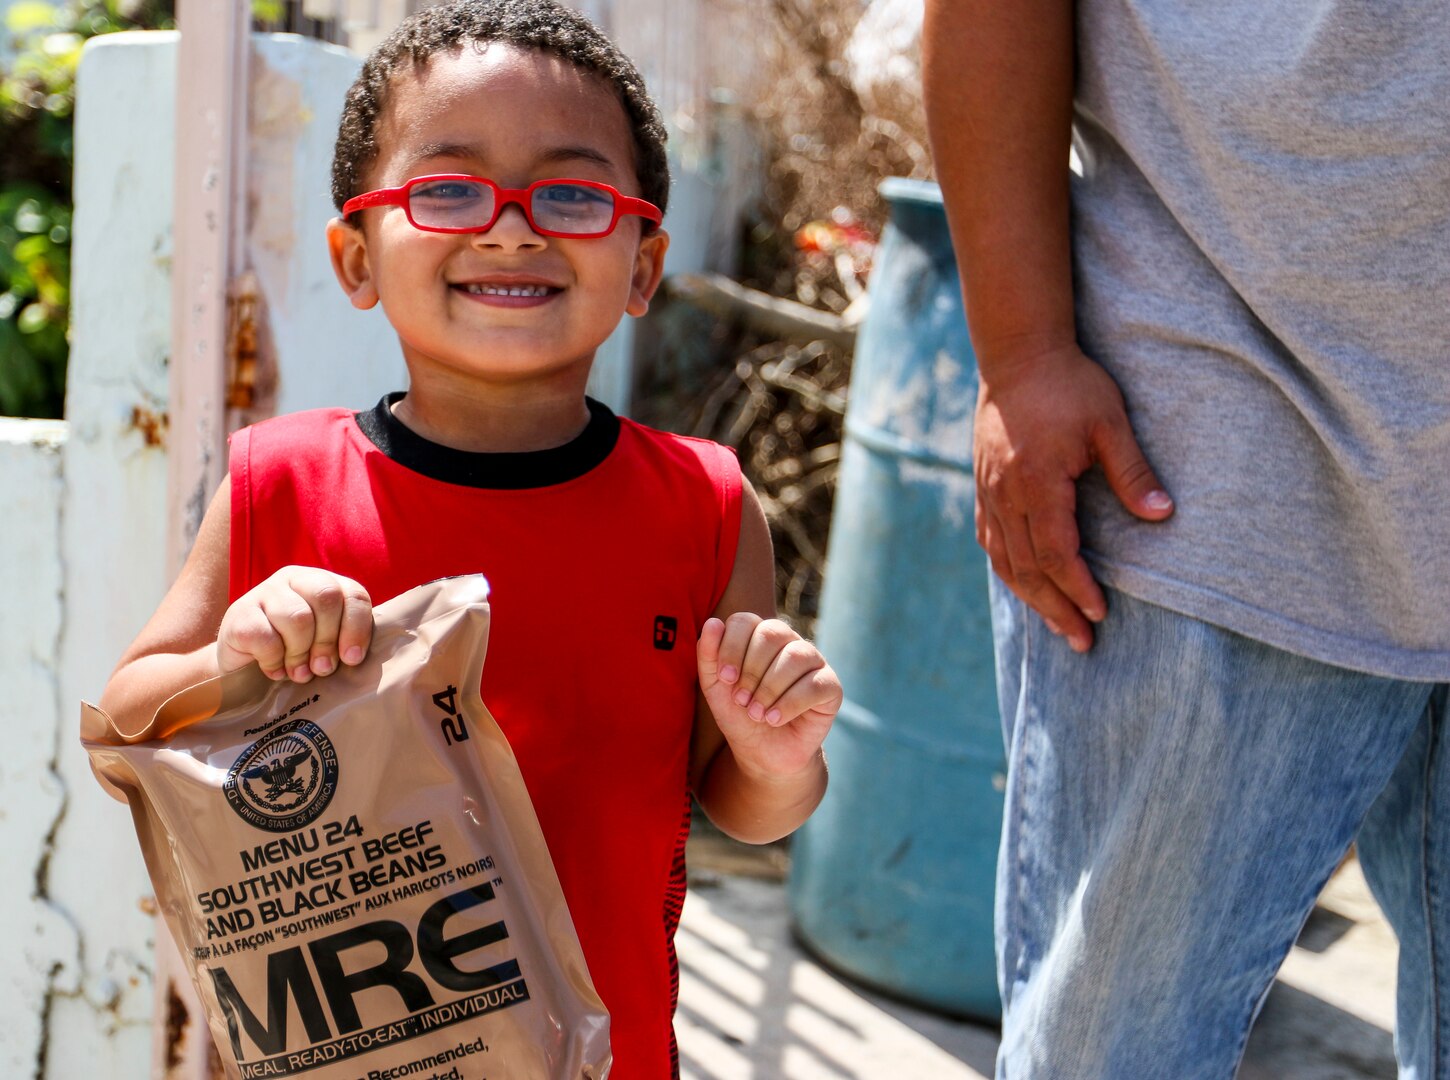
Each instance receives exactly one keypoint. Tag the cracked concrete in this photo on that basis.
(95, 1018)
(41, 950)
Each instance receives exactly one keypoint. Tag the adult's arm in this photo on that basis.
(999, 84)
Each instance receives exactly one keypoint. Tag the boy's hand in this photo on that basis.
(771, 692)
(298, 623)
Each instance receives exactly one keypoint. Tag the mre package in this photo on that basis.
(352, 868)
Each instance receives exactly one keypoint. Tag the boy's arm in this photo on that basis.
(998, 86)
(177, 646)
(757, 767)
(297, 623)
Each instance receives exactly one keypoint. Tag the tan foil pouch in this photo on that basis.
(352, 867)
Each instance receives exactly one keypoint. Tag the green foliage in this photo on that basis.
(37, 103)
(34, 308)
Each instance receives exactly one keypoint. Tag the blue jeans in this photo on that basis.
(1176, 799)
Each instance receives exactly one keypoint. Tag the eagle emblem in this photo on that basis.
(280, 774)
(285, 779)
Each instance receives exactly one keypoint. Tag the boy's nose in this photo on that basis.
(511, 231)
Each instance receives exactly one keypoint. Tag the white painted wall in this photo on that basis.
(38, 934)
(81, 550)
(113, 510)
(329, 352)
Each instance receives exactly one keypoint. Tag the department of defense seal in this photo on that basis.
(285, 779)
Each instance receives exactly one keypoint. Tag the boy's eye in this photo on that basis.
(447, 191)
(562, 196)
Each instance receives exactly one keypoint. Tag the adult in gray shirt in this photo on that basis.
(1206, 697)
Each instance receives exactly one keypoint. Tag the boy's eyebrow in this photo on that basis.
(550, 156)
(574, 153)
(428, 151)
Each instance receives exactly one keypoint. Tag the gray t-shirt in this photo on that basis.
(1262, 260)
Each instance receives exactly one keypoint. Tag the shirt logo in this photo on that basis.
(666, 630)
(285, 779)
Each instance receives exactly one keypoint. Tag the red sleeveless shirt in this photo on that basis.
(604, 558)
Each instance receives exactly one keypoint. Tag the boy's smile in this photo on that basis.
(509, 307)
(509, 290)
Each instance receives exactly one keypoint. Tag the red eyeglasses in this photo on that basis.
(451, 203)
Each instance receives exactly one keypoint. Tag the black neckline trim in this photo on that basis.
(506, 471)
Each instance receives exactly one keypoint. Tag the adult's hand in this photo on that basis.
(998, 81)
(1043, 419)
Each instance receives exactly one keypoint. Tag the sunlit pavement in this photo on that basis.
(753, 1006)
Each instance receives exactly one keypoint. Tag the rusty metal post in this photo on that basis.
(208, 231)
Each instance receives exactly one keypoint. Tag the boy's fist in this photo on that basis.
(298, 623)
(771, 692)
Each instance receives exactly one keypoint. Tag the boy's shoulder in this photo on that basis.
(718, 460)
(294, 442)
(670, 441)
(296, 426)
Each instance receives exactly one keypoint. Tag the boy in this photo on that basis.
(609, 547)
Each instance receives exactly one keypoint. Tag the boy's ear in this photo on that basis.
(649, 268)
(348, 248)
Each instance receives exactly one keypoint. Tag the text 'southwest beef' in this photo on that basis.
(352, 867)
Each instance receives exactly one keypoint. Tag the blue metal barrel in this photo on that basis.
(892, 878)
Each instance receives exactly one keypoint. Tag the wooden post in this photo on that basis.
(210, 209)
(209, 203)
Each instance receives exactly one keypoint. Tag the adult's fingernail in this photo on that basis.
(1158, 500)
(1096, 614)
(1053, 626)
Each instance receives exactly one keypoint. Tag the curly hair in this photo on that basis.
(543, 26)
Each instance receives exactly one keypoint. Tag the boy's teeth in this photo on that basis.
(508, 290)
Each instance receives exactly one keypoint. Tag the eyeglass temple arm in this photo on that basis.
(628, 204)
(381, 197)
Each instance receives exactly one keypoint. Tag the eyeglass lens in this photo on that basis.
(468, 204)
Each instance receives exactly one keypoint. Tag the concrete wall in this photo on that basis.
(113, 507)
(329, 353)
(81, 550)
(39, 935)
